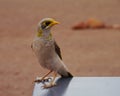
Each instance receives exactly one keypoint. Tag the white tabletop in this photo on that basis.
(81, 86)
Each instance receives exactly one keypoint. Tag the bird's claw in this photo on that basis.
(47, 79)
(38, 80)
(49, 85)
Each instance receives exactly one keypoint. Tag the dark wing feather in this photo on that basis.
(57, 50)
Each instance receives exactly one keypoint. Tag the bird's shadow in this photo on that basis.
(59, 89)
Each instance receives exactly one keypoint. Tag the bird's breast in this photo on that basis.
(43, 47)
(45, 51)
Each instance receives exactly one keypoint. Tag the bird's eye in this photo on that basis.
(47, 23)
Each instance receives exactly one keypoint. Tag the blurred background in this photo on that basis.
(85, 52)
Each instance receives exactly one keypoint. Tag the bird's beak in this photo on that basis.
(54, 22)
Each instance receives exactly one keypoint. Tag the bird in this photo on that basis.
(48, 52)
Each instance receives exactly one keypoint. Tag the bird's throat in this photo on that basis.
(46, 35)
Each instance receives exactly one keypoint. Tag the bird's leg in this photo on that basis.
(44, 77)
(52, 83)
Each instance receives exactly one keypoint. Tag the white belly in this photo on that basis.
(47, 56)
(45, 52)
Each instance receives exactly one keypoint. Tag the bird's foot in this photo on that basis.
(49, 85)
(39, 79)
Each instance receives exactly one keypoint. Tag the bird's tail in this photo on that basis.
(69, 75)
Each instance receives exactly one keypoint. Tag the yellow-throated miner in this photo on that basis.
(48, 52)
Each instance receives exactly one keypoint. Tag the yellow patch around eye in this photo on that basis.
(44, 24)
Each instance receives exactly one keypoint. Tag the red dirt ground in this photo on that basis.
(85, 52)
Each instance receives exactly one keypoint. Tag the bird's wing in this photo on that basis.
(57, 50)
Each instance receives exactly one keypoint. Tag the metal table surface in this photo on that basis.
(81, 86)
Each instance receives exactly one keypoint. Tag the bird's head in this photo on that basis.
(45, 25)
